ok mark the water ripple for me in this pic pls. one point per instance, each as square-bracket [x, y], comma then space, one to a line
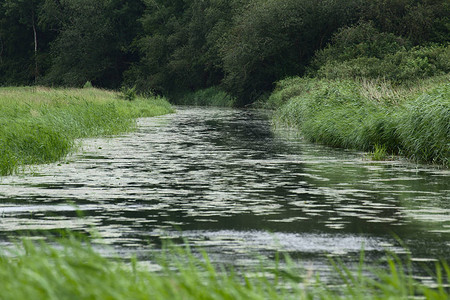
[225, 178]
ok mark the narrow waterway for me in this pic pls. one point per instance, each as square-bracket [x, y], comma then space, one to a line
[227, 181]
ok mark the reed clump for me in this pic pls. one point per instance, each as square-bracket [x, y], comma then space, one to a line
[411, 120]
[40, 125]
[71, 269]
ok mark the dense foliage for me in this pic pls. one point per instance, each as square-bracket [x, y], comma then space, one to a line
[362, 51]
[174, 46]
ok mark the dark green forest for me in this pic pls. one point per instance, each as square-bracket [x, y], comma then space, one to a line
[171, 47]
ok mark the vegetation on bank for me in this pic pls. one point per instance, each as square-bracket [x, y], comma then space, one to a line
[73, 270]
[213, 96]
[371, 116]
[372, 91]
[40, 125]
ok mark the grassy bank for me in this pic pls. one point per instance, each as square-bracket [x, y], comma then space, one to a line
[412, 120]
[40, 125]
[72, 270]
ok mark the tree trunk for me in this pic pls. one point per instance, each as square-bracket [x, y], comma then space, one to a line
[1, 50]
[36, 69]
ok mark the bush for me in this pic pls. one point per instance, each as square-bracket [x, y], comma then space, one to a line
[400, 67]
[362, 51]
[360, 40]
[128, 93]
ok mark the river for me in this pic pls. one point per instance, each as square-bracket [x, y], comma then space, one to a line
[225, 180]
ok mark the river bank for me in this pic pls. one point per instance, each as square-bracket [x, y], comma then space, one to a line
[40, 125]
[373, 115]
[369, 115]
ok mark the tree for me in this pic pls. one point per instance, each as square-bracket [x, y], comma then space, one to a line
[19, 37]
[179, 50]
[272, 39]
[93, 40]
[420, 21]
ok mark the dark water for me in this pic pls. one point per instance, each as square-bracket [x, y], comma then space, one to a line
[227, 181]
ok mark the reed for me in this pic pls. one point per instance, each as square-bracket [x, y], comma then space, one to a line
[365, 114]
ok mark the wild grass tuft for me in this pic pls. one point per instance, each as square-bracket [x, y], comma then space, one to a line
[40, 125]
[379, 152]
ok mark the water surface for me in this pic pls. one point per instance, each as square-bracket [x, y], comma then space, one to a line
[227, 181]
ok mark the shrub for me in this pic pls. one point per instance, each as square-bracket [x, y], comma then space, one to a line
[400, 67]
[362, 51]
[360, 40]
[128, 93]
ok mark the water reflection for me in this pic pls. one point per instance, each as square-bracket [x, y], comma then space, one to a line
[228, 182]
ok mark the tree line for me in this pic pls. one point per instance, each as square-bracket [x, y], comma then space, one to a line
[171, 47]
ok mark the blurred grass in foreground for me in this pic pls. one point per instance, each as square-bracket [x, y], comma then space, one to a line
[71, 269]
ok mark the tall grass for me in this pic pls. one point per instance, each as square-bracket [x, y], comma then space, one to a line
[73, 270]
[40, 125]
[424, 126]
[363, 114]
